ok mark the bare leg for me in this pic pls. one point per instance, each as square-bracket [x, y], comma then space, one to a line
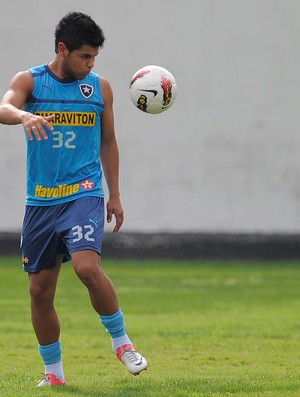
[103, 297]
[42, 287]
[87, 266]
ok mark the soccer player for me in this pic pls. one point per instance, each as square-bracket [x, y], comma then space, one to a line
[67, 113]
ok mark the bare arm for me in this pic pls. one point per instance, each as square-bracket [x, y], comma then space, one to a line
[109, 155]
[11, 107]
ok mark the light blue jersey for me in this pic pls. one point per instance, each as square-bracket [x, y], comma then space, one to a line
[67, 165]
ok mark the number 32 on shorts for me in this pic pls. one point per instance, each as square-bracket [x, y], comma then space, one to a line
[84, 232]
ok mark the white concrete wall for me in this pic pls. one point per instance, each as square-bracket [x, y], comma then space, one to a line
[225, 157]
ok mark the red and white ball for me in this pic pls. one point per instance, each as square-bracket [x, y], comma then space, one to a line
[153, 89]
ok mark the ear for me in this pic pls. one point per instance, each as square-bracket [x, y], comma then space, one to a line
[62, 49]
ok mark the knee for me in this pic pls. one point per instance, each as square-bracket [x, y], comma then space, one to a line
[87, 266]
[36, 291]
[89, 274]
[40, 293]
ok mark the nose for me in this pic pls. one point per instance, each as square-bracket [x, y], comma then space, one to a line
[91, 63]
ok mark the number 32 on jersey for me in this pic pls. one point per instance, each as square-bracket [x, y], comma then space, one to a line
[61, 139]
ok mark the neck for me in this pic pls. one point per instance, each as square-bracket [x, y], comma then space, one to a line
[56, 68]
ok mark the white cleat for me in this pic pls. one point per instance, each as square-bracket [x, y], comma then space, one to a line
[134, 361]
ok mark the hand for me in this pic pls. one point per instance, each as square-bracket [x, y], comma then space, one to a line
[114, 207]
[34, 125]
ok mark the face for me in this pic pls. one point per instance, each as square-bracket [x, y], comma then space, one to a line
[78, 63]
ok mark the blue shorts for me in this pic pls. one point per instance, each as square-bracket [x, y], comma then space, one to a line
[50, 232]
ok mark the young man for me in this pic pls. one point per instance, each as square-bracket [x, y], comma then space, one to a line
[67, 114]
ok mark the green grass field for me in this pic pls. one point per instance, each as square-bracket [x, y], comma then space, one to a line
[207, 329]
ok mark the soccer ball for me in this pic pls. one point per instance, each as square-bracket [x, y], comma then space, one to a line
[153, 89]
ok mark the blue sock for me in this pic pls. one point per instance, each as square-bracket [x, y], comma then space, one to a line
[51, 354]
[115, 326]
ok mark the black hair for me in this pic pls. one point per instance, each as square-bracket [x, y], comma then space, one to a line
[77, 29]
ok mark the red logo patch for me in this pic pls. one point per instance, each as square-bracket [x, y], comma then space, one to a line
[87, 184]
